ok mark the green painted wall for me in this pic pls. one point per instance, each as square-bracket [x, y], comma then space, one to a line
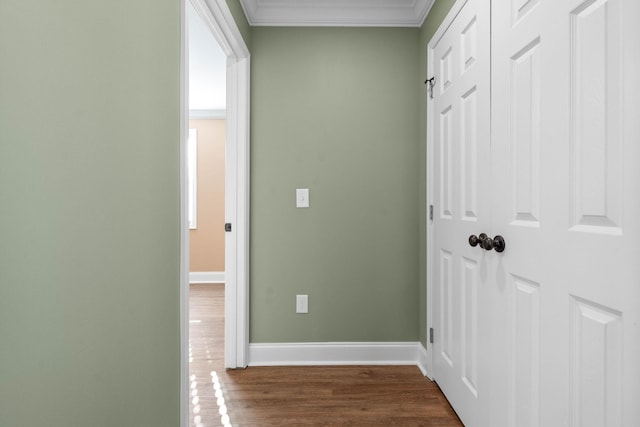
[89, 213]
[335, 110]
[436, 15]
[89, 315]
[241, 20]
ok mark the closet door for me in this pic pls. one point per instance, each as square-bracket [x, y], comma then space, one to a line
[566, 192]
[460, 120]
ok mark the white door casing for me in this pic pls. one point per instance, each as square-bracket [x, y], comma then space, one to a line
[563, 300]
[459, 59]
[218, 18]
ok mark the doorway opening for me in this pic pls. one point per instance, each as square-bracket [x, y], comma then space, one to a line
[206, 216]
[204, 21]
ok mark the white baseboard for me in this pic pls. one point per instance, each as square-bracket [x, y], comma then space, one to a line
[423, 359]
[206, 277]
[336, 353]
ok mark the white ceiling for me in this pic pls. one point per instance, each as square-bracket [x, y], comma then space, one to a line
[207, 66]
[337, 13]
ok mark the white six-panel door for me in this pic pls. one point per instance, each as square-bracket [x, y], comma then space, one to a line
[546, 333]
[566, 192]
[460, 117]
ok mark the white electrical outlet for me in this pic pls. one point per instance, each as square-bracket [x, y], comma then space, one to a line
[302, 303]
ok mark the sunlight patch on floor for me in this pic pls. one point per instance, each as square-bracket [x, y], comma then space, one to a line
[195, 401]
[222, 407]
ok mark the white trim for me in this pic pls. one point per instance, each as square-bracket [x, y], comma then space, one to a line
[184, 223]
[337, 13]
[334, 353]
[218, 18]
[426, 13]
[192, 178]
[198, 277]
[423, 360]
[240, 70]
[453, 12]
[207, 114]
[430, 202]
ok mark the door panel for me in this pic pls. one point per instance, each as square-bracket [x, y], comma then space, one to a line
[596, 73]
[524, 348]
[469, 325]
[446, 307]
[469, 161]
[460, 114]
[524, 162]
[596, 365]
[446, 161]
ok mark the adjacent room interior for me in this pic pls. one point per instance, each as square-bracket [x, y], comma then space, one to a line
[206, 211]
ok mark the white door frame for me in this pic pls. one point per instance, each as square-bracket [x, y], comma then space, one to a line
[218, 18]
[455, 9]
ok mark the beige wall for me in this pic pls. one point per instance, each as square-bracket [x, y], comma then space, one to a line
[207, 241]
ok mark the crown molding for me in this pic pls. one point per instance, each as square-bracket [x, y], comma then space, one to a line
[336, 13]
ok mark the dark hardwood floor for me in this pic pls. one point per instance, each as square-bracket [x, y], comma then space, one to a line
[299, 396]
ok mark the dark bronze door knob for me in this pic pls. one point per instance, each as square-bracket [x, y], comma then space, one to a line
[498, 243]
[487, 242]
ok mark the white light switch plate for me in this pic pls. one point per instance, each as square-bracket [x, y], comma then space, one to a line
[302, 303]
[302, 197]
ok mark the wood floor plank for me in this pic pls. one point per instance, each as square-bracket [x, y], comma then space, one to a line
[299, 395]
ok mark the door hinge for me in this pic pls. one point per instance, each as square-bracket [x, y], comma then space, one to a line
[431, 212]
[431, 335]
[227, 227]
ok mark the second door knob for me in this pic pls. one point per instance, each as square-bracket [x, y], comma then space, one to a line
[487, 242]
